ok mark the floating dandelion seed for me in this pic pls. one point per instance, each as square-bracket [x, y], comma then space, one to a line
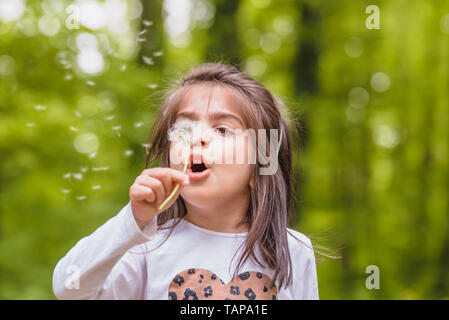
[129, 153]
[152, 86]
[117, 129]
[92, 155]
[147, 60]
[67, 175]
[141, 39]
[68, 77]
[96, 187]
[66, 192]
[72, 128]
[30, 124]
[147, 23]
[65, 64]
[147, 147]
[81, 198]
[40, 108]
[90, 83]
[123, 67]
[138, 124]
[78, 176]
[84, 169]
[142, 32]
[158, 53]
[108, 118]
[77, 114]
[100, 168]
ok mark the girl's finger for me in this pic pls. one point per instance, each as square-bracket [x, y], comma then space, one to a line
[155, 184]
[176, 176]
[166, 181]
[141, 193]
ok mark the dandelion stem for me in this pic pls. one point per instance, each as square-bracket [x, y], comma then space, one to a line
[186, 161]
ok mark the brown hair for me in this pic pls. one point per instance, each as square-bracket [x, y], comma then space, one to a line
[271, 205]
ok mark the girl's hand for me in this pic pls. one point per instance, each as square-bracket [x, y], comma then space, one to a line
[151, 188]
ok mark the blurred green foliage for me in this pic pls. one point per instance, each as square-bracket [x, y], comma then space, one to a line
[372, 104]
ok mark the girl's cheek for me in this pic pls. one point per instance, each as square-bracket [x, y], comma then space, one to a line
[229, 151]
[223, 151]
[177, 155]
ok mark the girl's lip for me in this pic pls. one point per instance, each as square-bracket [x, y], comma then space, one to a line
[197, 175]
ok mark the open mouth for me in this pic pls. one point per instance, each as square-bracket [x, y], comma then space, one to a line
[198, 167]
[197, 170]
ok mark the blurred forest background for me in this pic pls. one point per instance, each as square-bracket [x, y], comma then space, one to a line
[79, 89]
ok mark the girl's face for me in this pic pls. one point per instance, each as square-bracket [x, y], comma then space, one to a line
[217, 143]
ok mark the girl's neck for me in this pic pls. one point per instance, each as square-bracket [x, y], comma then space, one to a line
[223, 216]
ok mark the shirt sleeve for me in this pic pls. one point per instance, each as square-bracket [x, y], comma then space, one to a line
[102, 266]
[305, 274]
[310, 276]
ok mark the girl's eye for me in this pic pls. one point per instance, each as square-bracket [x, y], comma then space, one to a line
[224, 131]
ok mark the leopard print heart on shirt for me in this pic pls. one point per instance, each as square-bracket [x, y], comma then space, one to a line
[199, 284]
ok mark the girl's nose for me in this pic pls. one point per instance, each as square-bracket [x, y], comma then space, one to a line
[201, 137]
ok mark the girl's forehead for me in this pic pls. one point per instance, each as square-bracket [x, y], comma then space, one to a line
[205, 98]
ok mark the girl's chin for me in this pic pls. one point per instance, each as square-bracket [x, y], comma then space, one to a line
[199, 196]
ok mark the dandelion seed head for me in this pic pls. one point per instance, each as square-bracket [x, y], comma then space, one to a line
[182, 129]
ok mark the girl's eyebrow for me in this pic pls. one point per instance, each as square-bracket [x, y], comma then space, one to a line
[212, 116]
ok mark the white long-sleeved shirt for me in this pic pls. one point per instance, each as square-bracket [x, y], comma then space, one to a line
[117, 262]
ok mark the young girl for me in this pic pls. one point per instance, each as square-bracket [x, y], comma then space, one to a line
[185, 248]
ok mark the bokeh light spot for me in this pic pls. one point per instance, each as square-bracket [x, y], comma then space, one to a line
[11, 10]
[86, 143]
[90, 61]
[358, 97]
[49, 25]
[354, 47]
[380, 82]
